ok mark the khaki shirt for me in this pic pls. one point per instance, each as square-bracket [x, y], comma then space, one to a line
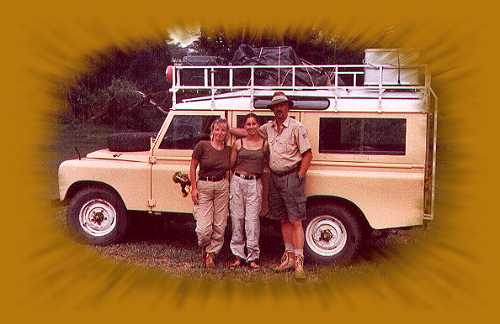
[285, 149]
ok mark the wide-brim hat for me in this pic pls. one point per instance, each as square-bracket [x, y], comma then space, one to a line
[278, 98]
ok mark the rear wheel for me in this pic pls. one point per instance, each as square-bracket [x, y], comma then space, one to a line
[333, 234]
[97, 216]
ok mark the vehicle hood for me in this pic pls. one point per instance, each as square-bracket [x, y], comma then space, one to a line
[106, 154]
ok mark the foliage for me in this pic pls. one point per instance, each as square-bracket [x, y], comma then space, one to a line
[311, 44]
[108, 95]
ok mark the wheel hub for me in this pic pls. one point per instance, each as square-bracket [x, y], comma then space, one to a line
[97, 217]
[326, 235]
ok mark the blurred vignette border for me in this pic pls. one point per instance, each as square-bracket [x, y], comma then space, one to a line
[57, 272]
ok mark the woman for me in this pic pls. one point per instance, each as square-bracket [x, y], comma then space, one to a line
[248, 158]
[210, 192]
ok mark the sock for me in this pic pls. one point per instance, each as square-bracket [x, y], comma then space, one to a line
[299, 252]
[288, 247]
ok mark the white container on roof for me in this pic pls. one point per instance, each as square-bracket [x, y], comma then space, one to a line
[396, 67]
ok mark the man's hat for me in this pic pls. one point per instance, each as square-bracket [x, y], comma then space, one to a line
[279, 97]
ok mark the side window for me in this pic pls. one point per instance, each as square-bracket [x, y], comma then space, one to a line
[384, 136]
[185, 131]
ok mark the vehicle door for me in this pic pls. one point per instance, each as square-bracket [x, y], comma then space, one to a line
[172, 156]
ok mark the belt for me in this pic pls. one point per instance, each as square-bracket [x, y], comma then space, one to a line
[212, 178]
[246, 177]
[284, 173]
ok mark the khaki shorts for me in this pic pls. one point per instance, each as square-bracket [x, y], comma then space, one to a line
[286, 197]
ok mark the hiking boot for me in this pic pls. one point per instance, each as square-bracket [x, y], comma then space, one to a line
[210, 261]
[299, 267]
[287, 262]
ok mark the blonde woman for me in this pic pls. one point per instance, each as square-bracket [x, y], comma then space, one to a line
[210, 190]
[248, 156]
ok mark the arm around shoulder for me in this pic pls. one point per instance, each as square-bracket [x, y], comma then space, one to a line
[234, 152]
[238, 132]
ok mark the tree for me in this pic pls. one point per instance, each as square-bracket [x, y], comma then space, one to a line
[312, 44]
[107, 93]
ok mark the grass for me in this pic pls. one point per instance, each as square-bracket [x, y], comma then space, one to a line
[157, 242]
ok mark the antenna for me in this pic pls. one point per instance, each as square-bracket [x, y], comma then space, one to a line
[78, 153]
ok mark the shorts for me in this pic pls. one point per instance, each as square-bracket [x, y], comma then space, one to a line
[287, 200]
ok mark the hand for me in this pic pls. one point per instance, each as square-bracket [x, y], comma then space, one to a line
[194, 195]
[301, 176]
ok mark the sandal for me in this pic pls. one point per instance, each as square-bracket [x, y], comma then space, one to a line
[254, 265]
[210, 261]
[235, 264]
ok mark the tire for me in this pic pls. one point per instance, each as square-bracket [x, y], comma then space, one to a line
[97, 216]
[332, 233]
[130, 142]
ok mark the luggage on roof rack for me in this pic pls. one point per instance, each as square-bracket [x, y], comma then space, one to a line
[280, 55]
[201, 60]
[194, 77]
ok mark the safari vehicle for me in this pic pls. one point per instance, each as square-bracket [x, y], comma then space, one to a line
[373, 142]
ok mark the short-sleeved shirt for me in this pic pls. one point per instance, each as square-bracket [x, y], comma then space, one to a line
[213, 163]
[286, 149]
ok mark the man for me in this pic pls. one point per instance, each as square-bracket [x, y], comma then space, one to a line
[290, 157]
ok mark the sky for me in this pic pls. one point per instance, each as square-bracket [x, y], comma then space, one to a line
[184, 35]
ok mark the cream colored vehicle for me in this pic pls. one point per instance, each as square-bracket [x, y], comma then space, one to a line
[373, 143]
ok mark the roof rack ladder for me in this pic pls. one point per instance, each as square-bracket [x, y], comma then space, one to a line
[434, 151]
[427, 85]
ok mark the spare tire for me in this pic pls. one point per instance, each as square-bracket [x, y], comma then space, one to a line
[130, 142]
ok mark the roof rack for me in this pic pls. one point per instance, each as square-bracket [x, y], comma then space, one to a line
[217, 79]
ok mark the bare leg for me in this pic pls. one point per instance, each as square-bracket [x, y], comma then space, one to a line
[298, 244]
[287, 232]
[297, 234]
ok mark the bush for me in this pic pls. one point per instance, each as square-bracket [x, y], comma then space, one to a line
[107, 93]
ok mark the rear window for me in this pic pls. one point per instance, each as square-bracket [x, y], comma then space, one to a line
[385, 136]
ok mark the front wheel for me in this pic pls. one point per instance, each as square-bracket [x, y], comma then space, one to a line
[333, 234]
[97, 216]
